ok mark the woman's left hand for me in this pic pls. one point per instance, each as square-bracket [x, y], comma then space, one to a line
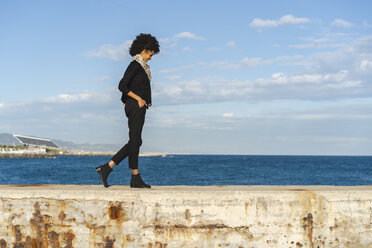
[141, 103]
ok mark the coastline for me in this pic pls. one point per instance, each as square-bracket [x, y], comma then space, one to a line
[15, 155]
[82, 154]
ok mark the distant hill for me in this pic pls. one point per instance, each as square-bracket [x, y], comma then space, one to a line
[68, 145]
[8, 139]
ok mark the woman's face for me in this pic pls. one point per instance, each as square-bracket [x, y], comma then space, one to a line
[146, 54]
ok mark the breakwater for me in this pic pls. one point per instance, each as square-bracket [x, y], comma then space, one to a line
[185, 216]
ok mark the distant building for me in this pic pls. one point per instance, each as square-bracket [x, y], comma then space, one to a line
[33, 141]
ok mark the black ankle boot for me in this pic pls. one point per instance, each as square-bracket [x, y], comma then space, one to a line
[137, 182]
[104, 171]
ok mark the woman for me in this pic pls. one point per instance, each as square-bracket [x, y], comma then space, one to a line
[136, 96]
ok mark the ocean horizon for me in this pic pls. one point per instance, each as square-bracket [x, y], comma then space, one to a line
[194, 169]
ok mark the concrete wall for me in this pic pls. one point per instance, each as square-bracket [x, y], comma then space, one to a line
[185, 216]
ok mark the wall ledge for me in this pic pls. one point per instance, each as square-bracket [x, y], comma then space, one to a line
[295, 216]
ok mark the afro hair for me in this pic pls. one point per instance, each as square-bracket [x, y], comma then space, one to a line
[144, 41]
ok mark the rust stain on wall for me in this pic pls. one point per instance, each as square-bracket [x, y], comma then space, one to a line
[40, 224]
[109, 243]
[207, 229]
[160, 245]
[62, 216]
[246, 207]
[308, 226]
[68, 238]
[116, 212]
[113, 212]
[188, 215]
[53, 239]
[34, 243]
[104, 241]
[157, 245]
[127, 238]
[2, 243]
[44, 231]
[17, 234]
[298, 245]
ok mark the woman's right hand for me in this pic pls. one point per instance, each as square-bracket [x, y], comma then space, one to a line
[141, 103]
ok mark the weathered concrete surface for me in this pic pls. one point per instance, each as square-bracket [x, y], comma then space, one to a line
[185, 216]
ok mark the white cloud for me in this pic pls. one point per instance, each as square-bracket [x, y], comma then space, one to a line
[339, 74]
[316, 78]
[348, 57]
[76, 117]
[172, 91]
[181, 35]
[230, 43]
[251, 61]
[228, 115]
[315, 45]
[70, 98]
[302, 86]
[243, 63]
[188, 35]
[290, 19]
[365, 65]
[204, 122]
[341, 23]
[344, 85]
[118, 52]
[311, 42]
[194, 87]
[259, 23]
[81, 97]
[172, 42]
[287, 19]
[363, 45]
[295, 60]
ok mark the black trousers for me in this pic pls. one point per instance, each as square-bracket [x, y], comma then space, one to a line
[136, 119]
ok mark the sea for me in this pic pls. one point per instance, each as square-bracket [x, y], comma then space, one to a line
[194, 170]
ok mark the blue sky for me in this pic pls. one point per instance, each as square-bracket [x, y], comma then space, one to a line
[238, 77]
